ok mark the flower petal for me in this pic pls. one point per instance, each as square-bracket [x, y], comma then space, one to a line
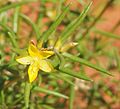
[46, 53]
[45, 66]
[24, 60]
[33, 51]
[33, 71]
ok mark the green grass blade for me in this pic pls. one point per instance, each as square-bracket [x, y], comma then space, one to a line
[47, 107]
[32, 24]
[84, 62]
[14, 43]
[3, 17]
[11, 34]
[13, 5]
[107, 34]
[72, 95]
[18, 100]
[74, 74]
[2, 98]
[73, 26]
[62, 77]
[47, 91]
[55, 24]
[117, 58]
[15, 19]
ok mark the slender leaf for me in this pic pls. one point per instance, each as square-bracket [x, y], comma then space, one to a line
[13, 5]
[74, 25]
[32, 24]
[14, 43]
[107, 34]
[11, 34]
[47, 107]
[62, 77]
[84, 62]
[18, 100]
[117, 58]
[47, 91]
[55, 24]
[2, 98]
[74, 74]
[15, 19]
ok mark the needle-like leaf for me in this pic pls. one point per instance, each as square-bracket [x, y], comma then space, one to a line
[107, 34]
[84, 62]
[74, 25]
[32, 24]
[74, 74]
[47, 91]
[13, 5]
[55, 24]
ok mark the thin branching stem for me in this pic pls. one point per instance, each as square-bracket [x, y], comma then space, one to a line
[97, 18]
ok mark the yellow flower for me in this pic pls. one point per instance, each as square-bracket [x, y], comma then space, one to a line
[37, 59]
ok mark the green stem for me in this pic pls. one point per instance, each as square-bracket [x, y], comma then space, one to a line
[97, 18]
[72, 95]
[27, 94]
[116, 26]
